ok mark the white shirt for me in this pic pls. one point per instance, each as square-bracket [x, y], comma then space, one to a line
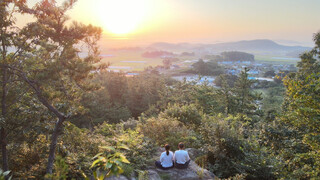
[181, 156]
[166, 160]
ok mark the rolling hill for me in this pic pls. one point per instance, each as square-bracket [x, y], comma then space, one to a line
[259, 46]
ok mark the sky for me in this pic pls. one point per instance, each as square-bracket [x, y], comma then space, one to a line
[140, 22]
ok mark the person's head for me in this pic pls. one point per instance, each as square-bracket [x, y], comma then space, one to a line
[167, 147]
[180, 145]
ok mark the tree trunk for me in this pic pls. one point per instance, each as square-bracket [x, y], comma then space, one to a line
[54, 140]
[57, 127]
[3, 133]
[4, 150]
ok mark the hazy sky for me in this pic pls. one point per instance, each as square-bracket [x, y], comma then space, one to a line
[129, 22]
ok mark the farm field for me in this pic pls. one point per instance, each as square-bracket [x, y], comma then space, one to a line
[276, 59]
[133, 61]
[129, 60]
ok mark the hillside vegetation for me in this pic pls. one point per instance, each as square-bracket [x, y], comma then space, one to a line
[66, 117]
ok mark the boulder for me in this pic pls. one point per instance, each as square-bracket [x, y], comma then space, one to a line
[193, 172]
[152, 174]
[117, 178]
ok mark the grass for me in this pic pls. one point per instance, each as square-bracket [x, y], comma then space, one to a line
[273, 60]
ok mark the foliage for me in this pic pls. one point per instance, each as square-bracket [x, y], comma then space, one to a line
[302, 113]
[240, 98]
[207, 68]
[265, 84]
[143, 175]
[233, 149]
[187, 114]
[237, 56]
[229, 78]
[246, 100]
[45, 79]
[140, 148]
[30, 158]
[5, 175]
[223, 144]
[301, 118]
[231, 56]
[61, 169]
[46, 61]
[167, 63]
[169, 131]
[272, 102]
[269, 73]
[109, 162]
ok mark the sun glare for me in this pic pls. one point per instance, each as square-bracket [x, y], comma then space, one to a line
[122, 16]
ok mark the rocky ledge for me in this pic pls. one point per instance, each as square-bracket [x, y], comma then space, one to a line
[193, 172]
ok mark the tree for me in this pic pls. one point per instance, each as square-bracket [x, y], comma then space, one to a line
[246, 100]
[226, 96]
[302, 112]
[207, 68]
[269, 73]
[50, 65]
[229, 78]
[10, 92]
[166, 63]
[237, 56]
[240, 98]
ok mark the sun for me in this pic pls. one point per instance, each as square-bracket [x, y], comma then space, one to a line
[122, 16]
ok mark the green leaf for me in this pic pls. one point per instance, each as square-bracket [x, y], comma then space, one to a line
[97, 155]
[6, 173]
[124, 159]
[108, 165]
[94, 163]
[108, 148]
[123, 147]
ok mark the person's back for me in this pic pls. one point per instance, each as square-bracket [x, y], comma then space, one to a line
[166, 159]
[181, 157]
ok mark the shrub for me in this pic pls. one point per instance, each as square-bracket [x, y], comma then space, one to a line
[224, 146]
[234, 149]
[187, 114]
[169, 131]
[141, 148]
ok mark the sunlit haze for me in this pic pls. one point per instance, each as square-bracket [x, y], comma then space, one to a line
[139, 22]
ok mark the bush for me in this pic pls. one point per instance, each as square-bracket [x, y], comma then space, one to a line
[169, 131]
[30, 158]
[234, 149]
[224, 145]
[187, 114]
[140, 148]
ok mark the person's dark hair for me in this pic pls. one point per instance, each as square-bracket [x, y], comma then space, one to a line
[167, 147]
[181, 145]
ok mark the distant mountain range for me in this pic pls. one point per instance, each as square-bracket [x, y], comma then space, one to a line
[259, 46]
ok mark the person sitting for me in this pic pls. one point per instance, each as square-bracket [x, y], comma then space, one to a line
[166, 159]
[181, 157]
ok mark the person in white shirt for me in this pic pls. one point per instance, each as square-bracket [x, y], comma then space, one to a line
[181, 157]
[166, 159]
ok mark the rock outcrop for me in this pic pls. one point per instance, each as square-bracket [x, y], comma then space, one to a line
[193, 172]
